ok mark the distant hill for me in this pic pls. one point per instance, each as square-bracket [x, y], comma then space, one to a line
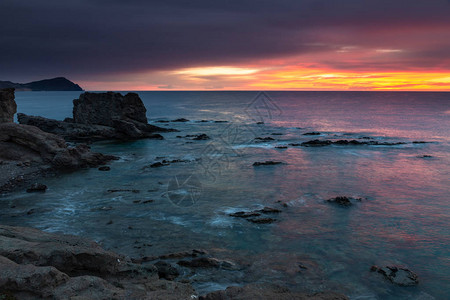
[55, 84]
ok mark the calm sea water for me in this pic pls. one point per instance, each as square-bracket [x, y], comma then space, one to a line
[403, 218]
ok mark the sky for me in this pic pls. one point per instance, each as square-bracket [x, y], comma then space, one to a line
[229, 44]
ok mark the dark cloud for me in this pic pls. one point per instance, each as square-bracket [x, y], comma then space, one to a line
[88, 38]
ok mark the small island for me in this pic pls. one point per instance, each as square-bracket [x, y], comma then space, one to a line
[54, 84]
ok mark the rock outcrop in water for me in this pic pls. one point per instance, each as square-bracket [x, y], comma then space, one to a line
[101, 116]
[35, 264]
[397, 275]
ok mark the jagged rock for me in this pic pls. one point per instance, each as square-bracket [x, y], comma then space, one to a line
[312, 133]
[104, 108]
[268, 292]
[8, 106]
[37, 187]
[101, 116]
[104, 168]
[397, 275]
[35, 264]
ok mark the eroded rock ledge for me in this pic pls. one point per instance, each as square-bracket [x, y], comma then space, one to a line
[101, 116]
[36, 264]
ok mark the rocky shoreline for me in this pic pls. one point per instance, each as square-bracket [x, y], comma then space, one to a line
[38, 146]
[36, 264]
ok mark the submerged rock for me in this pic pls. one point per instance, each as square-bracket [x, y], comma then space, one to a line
[264, 139]
[398, 275]
[267, 163]
[37, 187]
[261, 220]
[104, 168]
[256, 216]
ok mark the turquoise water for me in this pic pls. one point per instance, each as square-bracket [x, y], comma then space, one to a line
[402, 219]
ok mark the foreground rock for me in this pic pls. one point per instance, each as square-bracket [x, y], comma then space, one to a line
[268, 292]
[398, 275]
[36, 264]
[101, 116]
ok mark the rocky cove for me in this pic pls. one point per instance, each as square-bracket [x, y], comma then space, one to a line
[36, 264]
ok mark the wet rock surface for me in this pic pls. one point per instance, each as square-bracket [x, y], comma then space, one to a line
[397, 275]
[37, 187]
[36, 264]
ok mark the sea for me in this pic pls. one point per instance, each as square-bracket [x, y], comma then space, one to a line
[401, 172]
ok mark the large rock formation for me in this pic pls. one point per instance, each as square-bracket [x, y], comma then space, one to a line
[36, 264]
[101, 116]
[8, 106]
[26, 151]
[104, 108]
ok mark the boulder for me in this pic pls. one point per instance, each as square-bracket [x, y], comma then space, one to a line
[8, 106]
[397, 275]
[104, 108]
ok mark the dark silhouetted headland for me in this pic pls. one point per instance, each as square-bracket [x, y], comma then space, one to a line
[54, 84]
